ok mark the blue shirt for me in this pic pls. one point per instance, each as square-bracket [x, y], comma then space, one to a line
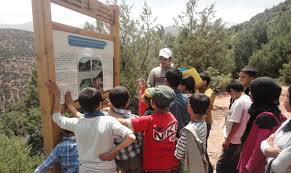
[64, 153]
[179, 109]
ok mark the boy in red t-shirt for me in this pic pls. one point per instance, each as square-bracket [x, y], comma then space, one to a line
[160, 130]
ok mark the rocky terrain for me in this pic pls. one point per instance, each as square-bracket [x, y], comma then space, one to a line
[16, 61]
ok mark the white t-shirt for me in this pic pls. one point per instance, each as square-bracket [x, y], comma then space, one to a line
[238, 114]
[94, 136]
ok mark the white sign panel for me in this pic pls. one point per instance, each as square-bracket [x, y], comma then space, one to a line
[82, 61]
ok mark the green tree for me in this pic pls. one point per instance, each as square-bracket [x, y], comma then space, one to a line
[202, 42]
[141, 40]
[23, 119]
[243, 46]
[286, 72]
[270, 59]
[15, 156]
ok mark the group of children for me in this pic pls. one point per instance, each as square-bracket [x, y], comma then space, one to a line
[170, 133]
[253, 116]
[115, 138]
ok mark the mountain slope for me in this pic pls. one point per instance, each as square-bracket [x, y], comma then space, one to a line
[16, 60]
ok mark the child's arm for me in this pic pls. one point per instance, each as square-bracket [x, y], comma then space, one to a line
[268, 148]
[118, 130]
[70, 106]
[126, 142]
[137, 124]
[63, 122]
[53, 158]
[55, 91]
[181, 146]
[283, 161]
[234, 128]
[125, 122]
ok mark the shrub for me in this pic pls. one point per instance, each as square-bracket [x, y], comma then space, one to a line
[218, 81]
[286, 73]
[15, 156]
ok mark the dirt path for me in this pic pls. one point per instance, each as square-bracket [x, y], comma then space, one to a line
[220, 108]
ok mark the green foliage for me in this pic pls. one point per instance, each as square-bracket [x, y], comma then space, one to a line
[13, 123]
[286, 72]
[15, 156]
[270, 59]
[32, 98]
[218, 81]
[264, 41]
[33, 128]
[141, 41]
[243, 47]
[202, 42]
[23, 118]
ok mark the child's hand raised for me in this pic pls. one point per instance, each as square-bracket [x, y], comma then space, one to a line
[68, 99]
[55, 91]
[53, 88]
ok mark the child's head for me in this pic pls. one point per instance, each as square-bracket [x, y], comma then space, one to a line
[198, 105]
[173, 77]
[119, 97]
[106, 103]
[287, 102]
[235, 88]
[205, 78]
[89, 99]
[147, 96]
[187, 85]
[162, 97]
[246, 75]
[265, 92]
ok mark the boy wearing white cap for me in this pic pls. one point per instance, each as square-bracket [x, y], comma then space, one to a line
[157, 74]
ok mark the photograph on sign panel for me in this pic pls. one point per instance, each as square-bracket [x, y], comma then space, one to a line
[90, 72]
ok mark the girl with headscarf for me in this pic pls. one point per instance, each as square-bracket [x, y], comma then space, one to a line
[277, 147]
[265, 118]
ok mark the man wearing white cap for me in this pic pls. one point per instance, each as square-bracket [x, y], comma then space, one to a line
[157, 74]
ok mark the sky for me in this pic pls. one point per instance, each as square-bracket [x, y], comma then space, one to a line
[231, 11]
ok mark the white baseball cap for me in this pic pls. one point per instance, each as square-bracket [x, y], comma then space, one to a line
[166, 53]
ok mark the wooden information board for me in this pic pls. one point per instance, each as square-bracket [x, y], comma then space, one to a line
[64, 51]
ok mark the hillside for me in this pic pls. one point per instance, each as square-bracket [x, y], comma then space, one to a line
[269, 16]
[264, 42]
[16, 60]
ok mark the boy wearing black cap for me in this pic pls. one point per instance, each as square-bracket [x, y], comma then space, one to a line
[160, 130]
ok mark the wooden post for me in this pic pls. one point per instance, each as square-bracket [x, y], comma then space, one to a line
[116, 40]
[45, 70]
[43, 30]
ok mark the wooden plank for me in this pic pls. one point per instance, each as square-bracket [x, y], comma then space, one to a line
[45, 70]
[116, 39]
[96, 10]
[66, 28]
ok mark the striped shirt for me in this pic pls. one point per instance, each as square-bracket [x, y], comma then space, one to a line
[201, 130]
[133, 149]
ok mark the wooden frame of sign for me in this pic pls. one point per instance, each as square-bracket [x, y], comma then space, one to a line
[43, 30]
